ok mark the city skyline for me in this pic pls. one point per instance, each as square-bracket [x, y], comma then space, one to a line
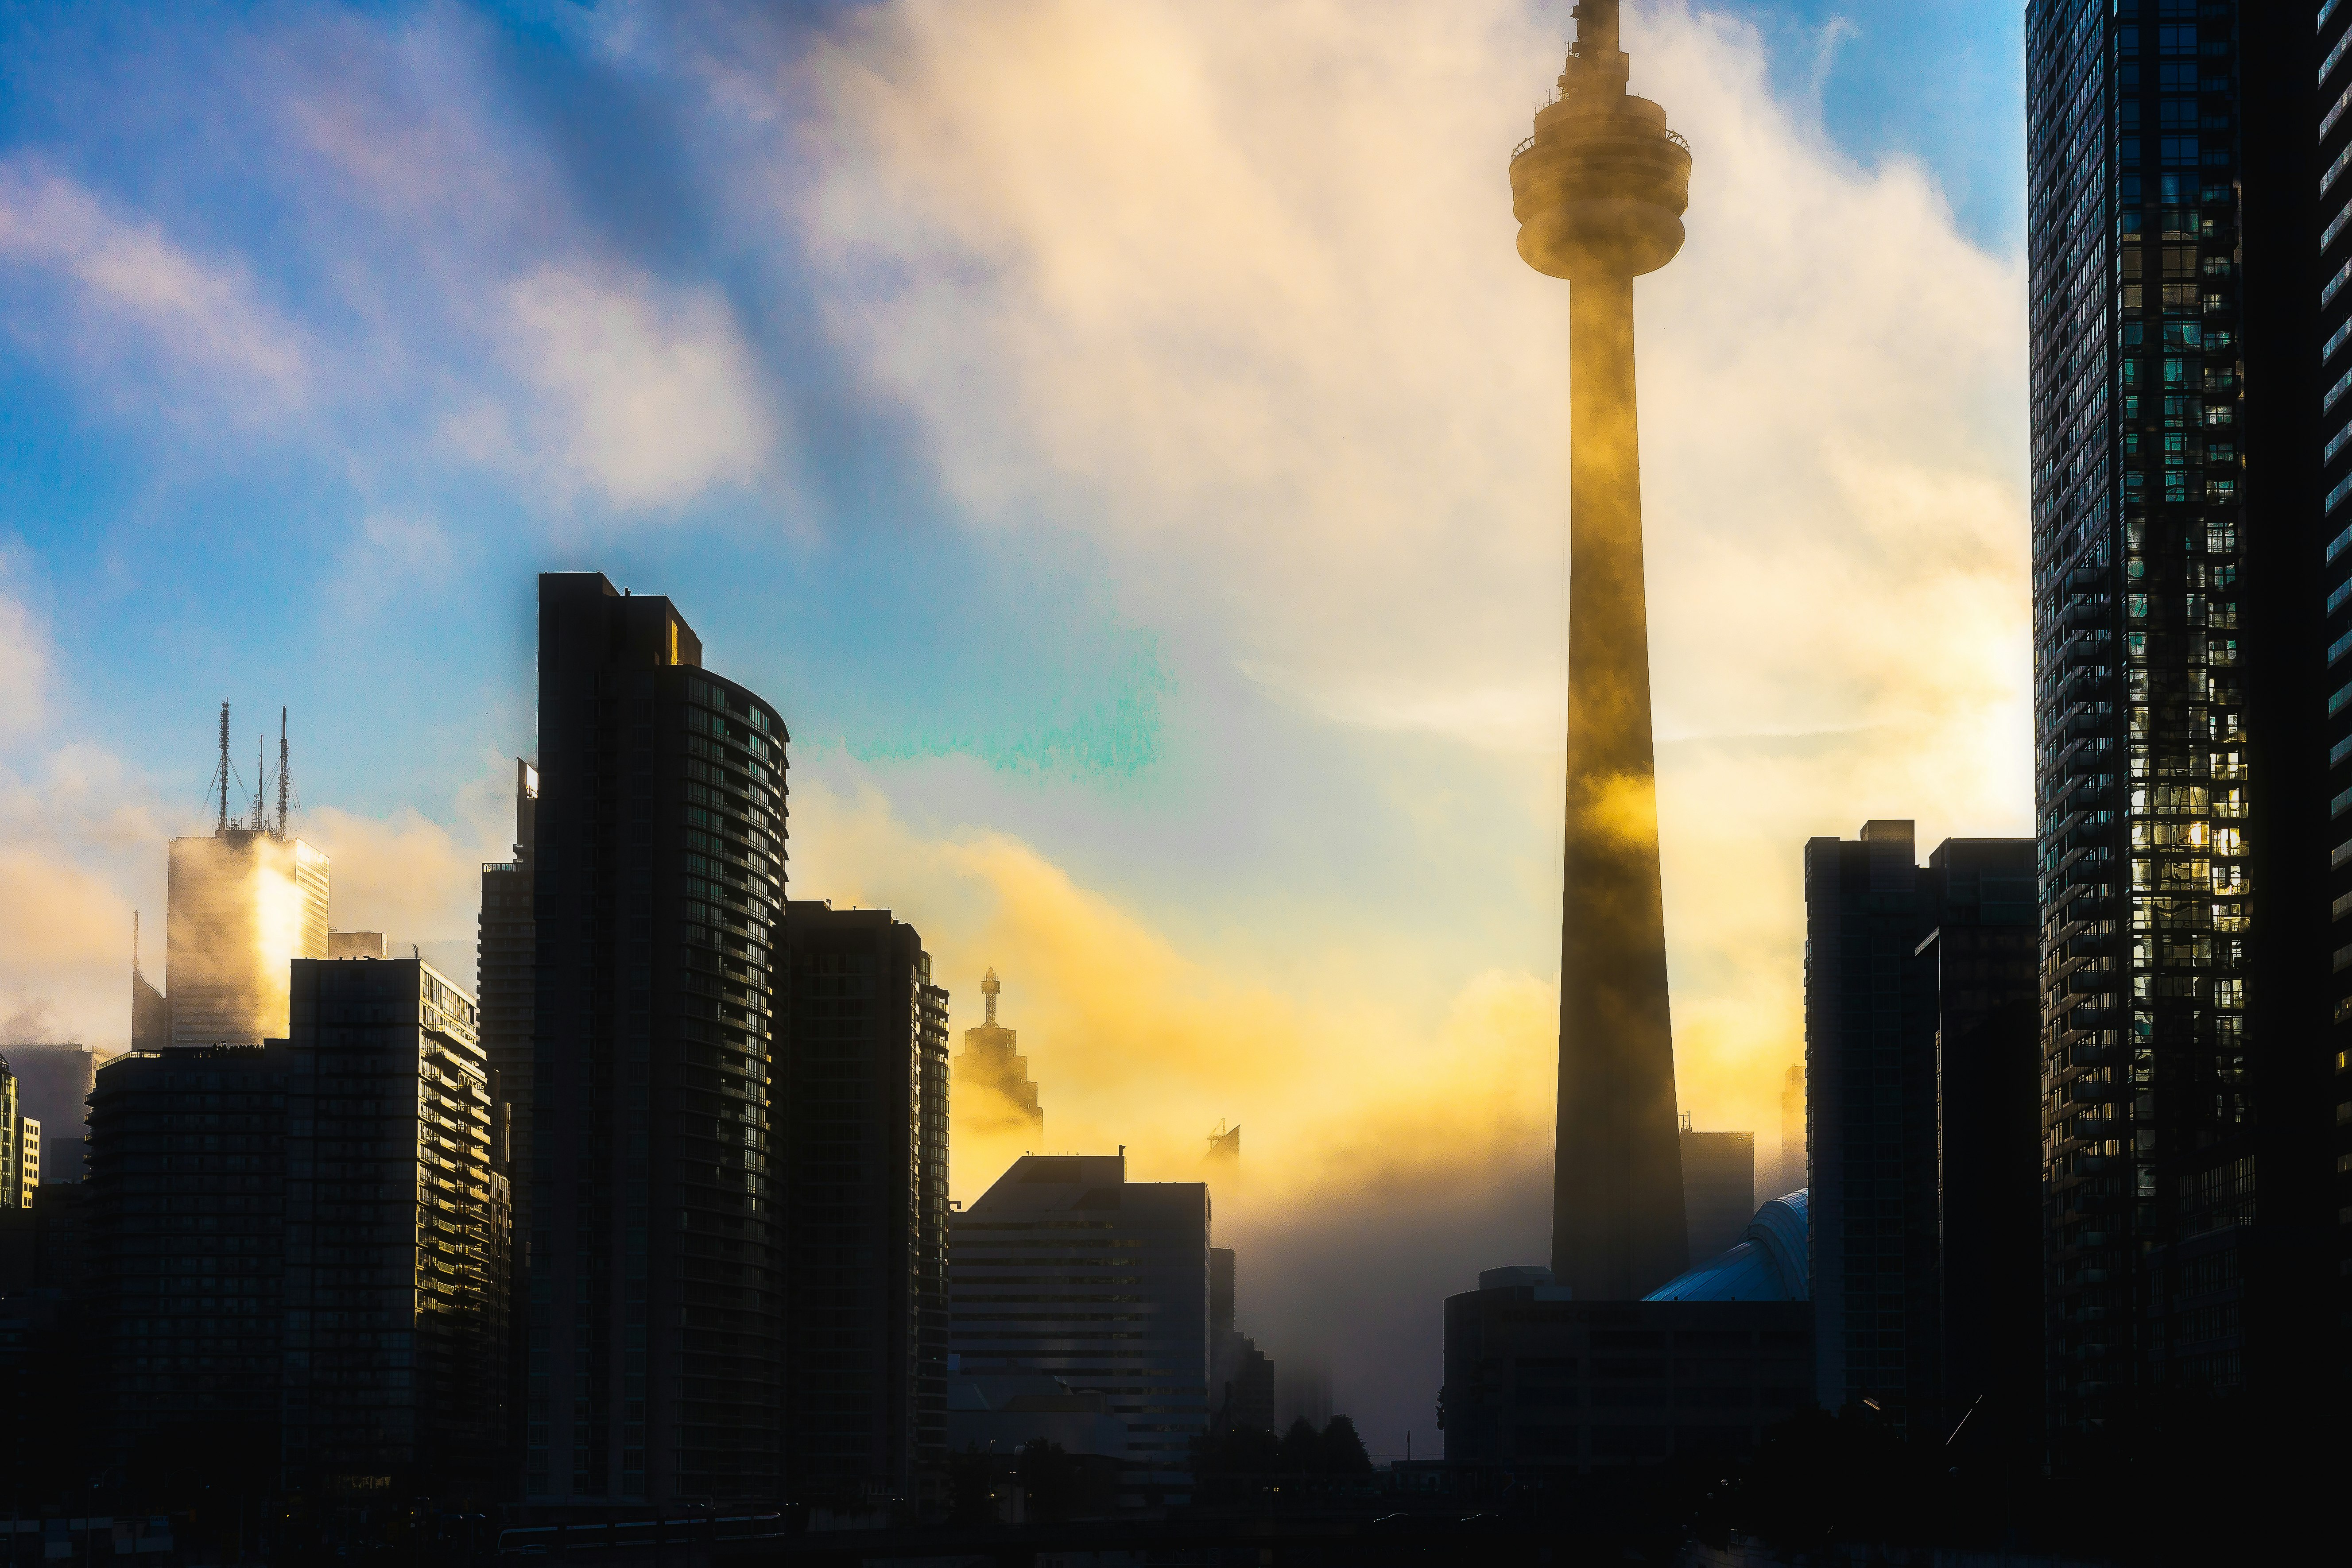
[1039, 756]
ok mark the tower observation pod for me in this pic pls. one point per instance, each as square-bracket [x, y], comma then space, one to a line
[1599, 190]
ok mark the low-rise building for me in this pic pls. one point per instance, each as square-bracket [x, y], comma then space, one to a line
[1703, 1365]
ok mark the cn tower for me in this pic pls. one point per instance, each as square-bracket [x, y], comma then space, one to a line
[1599, 191]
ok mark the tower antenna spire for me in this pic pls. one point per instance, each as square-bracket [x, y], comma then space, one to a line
[260, 782]
[281, 773]
[222, 826]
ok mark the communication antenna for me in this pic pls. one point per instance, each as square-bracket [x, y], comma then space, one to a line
[260, 782]
[222, 826]
[281, 773]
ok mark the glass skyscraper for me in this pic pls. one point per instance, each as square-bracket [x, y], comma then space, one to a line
[652, 1358]
[2180, 535]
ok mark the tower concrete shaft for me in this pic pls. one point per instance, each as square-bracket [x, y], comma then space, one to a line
[1599, 190]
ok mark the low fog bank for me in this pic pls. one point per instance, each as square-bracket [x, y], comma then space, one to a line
[1359, 1279]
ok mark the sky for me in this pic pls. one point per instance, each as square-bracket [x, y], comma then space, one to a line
[1121, 439]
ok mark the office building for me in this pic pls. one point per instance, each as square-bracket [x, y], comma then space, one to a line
[1241, 1375]
[20, 1146]
[863, 1153]
[1027, 1262]
[395, 1235]
[1536, 1380]
[2186, 255]
[1791, 1175]
[1900, 960]
[245, 903]
[1598, 190]
[186, 1253]
[53, 1085]
[506, 987]
[505, 977]
[657, 874]
[994, 1096]
[1718, 1187]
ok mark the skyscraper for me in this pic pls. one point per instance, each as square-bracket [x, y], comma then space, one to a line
[863, 1156]
[1600, 190]
[395, 1236]
[243, 902]
[507, 980]
[993, 1095]
[1899, 958]
[1792, 1174]
[2186, 552]
[658, 878]
[187, 1256]
[1028, 1261]
[1718, 1188]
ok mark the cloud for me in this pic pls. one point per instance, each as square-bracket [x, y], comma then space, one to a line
[24, 653]
[137, 300]
[647, 395]
[1230, 290]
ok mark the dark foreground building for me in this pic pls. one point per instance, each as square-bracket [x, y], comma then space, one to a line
[1027, 1262]
[1536, 1380]
[862, 1084]
[653, 1363]
[1718, 1187]
[2188, 253]
[397, 1230]
[1920, 1075]
[187, 1259]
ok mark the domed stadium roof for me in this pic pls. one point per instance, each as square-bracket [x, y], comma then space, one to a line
[1768, 1264]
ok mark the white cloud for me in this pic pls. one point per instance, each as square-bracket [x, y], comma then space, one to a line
[649, 396]
[1229, 287]
[134, 296]
[24, 655]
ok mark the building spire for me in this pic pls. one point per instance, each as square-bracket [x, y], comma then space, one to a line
[281, 773]
[221, 778]
[988, 989]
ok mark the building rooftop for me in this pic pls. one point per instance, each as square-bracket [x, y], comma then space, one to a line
[1767, 1264]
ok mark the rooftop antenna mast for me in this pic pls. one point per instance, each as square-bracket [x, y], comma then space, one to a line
[222, 826]
[281, 773]
[260, 783]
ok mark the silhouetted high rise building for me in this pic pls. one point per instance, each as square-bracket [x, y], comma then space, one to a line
[243, 902]
[1599, 191]
[2187, 251]
[1241, 1375]
[991, 1079]
[1027, 1262]
[1718, 1187]
[657, 873]
[1900, 959]
[863, 1140]
[187, 1253]
[396, 1235]
[506, 977]
[1792, 1173]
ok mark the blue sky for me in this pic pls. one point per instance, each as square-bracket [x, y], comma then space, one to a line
[1118, 437]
